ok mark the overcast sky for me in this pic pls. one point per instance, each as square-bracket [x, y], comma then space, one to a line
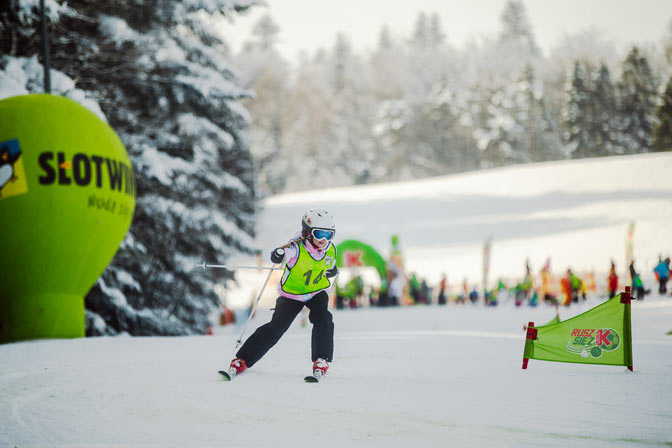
[309, 24]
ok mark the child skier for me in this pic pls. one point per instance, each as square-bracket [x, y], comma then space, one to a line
[310, 263]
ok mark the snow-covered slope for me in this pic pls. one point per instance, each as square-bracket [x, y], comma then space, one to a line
[575, 212]
[420, 376]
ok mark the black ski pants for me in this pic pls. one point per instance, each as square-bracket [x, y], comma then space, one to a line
[266, 336]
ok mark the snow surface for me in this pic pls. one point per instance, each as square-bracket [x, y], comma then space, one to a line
[420, 376]
[413, 376]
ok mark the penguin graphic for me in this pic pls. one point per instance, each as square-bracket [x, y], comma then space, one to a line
[7, 160]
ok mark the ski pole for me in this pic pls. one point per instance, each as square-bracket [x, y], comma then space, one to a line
[254, 307]
[205, 265]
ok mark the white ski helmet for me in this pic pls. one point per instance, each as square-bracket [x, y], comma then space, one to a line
[318, 219]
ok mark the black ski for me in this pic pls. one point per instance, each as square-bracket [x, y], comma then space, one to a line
[308, 379]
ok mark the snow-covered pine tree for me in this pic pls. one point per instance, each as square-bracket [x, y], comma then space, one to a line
[305, 126]
[662, 133]
[392, 123]
[350, 146]
[420, 34]
[577, 114]
[636, 92]
[341, 57]
[394, 136]
[437, 37]
[160, 74]
[667, 44]
[516, 26]
[540, 140]
[384, 38]
[500, 135]
[604, 112]
[436, 143]
[442, 143]
[428, 58]
[264, 71]
[387, 79]
[517, 127]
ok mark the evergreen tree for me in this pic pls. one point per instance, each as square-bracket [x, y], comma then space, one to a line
[428, 59]
[266, 73]
[577, 114]
[517, 127]
[350, 150]
[540, 139]
[476, 116]
[265, 32]
[308, 118]
[395, 142]
[420, 37]
[667, 44]
[501, 131]
[386, 72]
[443, 144]
[516, 26]
[161, 77]
[662, 134]
[384, 39]
[604, 111]
[342, 55]
[436, 35]
[636, 93]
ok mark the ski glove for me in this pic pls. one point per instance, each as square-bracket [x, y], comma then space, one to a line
[277, 255]
[331, 272]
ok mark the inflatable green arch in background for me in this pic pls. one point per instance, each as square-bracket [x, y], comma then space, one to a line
[352, 253]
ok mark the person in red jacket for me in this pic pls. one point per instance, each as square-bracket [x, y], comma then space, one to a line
[612, 280]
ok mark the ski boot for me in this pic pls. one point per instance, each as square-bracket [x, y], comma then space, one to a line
[320, 367]
[237, 366]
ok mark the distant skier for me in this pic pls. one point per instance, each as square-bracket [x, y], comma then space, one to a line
[637, 288]
[577, 286]
[527, 285]
[311, 262]
[612, 280]
[662, 271]
[442, 289]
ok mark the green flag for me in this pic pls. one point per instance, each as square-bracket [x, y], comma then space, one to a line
[601, 335]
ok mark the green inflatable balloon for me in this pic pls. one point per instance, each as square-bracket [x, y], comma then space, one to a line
[67, 196]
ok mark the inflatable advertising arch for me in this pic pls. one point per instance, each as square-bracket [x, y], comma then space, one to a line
[352, 253]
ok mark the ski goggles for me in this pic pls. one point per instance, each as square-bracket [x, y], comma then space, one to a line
[322, 234]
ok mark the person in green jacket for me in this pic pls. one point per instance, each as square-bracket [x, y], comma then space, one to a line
[576, 285]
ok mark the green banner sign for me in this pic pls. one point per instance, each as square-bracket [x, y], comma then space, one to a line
[601, 335]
